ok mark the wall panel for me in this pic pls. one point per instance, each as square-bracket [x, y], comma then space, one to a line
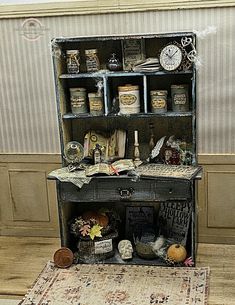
[28, 119]
[25, 187]
[221, 199]
[28, 205]
[216, 203]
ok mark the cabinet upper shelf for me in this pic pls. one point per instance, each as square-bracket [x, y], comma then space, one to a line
[106, 73]
[69, 116]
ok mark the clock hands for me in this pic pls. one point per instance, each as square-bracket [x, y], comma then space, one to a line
[173, 53]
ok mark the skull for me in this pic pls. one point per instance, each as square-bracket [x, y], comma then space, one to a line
[125, 249]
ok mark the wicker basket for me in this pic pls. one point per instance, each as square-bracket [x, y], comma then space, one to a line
[101, 248]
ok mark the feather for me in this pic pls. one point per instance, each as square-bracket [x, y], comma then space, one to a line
[157, 245]
[156, 150]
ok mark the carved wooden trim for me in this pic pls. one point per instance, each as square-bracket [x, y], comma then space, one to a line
[216, 159]
[82, 7]
[30, 158]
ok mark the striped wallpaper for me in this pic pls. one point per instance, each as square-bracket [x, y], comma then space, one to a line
[28, 119]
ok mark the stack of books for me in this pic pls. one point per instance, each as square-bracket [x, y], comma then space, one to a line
[150, 64]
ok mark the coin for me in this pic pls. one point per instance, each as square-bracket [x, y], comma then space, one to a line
[63, 257]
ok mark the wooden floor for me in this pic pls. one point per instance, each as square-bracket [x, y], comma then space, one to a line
[22, 258]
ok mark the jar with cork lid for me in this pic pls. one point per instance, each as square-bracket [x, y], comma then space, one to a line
[129, 99]
[158, 101]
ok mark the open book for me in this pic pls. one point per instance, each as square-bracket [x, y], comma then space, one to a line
[110, 169]
[112, 144]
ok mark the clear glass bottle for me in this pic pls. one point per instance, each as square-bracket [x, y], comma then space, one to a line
[92, 60]
[72, 60]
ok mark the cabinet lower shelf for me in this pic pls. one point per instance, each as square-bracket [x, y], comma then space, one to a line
[116, 259]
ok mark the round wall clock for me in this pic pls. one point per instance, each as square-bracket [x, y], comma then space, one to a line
[171, 57]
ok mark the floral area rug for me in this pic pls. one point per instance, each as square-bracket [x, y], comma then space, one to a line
[101, 284]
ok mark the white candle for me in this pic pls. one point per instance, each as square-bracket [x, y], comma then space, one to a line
[136, 136]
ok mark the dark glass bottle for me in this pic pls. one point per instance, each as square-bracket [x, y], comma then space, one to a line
[114, 63]
[97, 154]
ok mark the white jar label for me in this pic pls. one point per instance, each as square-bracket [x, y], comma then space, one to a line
[180, 99]
[103, 246]
[128, 99]
[158, 103]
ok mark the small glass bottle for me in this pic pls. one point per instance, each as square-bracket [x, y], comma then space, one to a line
[72, 60]
[97, 153]
[92, 60]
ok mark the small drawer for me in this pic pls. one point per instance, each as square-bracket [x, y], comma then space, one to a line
[173, 189]
[125, 190]
[70, 192]
[108, 189]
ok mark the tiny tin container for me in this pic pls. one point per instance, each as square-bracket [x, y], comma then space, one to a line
[92, 60]
[72, 60]
[96, 104]
[78, 100]
[158, 101]
[180, 98]
[129, 99]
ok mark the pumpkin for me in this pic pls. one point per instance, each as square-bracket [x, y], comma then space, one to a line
[89, 215]
[102, 220]
[177, 253]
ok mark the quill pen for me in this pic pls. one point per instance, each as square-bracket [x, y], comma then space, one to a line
[155, 151]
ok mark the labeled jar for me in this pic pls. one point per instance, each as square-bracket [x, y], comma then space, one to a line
[129, 99]
[92, 60]
[158, 101]
[72, 60]
[180, 98]
[78, 100]
[96, 103]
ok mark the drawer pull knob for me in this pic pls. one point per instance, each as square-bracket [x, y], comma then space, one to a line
[125, 193]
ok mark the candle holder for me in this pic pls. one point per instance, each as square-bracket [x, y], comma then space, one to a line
[136, 147]
[151, 140]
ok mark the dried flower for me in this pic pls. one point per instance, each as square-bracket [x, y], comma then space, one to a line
[189, 262]
[95, 231]
[85, 230]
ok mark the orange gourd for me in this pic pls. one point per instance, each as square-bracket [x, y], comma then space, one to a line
[177, 253]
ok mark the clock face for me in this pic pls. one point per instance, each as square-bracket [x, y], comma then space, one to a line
[170, 57]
